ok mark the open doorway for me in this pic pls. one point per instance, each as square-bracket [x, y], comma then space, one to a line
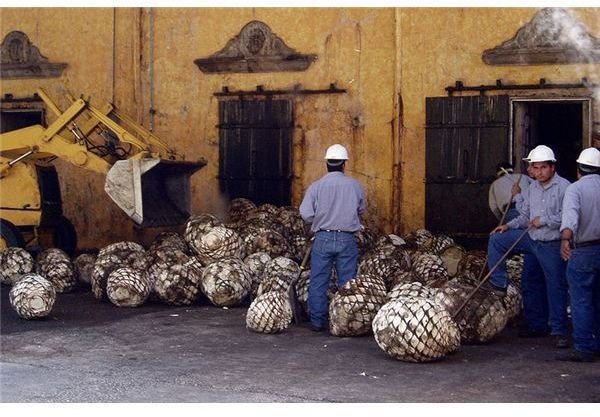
[563, 125]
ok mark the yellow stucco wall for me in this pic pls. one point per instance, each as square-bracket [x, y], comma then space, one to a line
[347, 41]
[380, 55]
[440, 46]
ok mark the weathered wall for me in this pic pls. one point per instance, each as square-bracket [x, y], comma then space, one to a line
[440, 46]
[389, 60]
[355, 48]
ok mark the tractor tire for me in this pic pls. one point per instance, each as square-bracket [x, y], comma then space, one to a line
[10, 236]
[65, 236]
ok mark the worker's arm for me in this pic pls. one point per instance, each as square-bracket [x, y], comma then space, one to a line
[569, 221]
[566, 237]
[362, 203]
[308, 206]
[554, 219]
[522, 221]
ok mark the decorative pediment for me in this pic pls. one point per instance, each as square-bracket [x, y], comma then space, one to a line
[19, 58]
[255, 49]
[553, 36]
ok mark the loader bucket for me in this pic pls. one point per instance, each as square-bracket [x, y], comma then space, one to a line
[152, 192]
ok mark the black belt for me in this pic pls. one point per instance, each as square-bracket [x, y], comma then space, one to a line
[588, 243]
[333, 231]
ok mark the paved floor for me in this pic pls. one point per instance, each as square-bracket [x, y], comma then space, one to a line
[91, 351]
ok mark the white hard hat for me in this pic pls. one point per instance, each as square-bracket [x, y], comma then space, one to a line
[528, 157]
[541, 153]
[589, 156]
[336, 151]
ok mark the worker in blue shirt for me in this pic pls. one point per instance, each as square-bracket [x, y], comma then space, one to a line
[580, 245]
[541, 212]
[332, 206]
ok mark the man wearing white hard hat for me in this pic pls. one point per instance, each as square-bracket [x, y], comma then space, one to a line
[332, 206]
[541, 213]
[580, 246]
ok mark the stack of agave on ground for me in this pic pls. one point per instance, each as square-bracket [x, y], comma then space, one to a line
[32, 296]
[14, 262]
[56, 266]
[406, 290]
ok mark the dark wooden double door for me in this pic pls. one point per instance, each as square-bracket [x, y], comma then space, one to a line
[255, 150]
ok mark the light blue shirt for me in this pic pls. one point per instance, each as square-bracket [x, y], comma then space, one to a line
[334, 202]
[546, 203]
[581, 209]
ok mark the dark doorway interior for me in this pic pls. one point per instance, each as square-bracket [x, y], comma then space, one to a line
[558, 125]
[18, 119]
[255, 150]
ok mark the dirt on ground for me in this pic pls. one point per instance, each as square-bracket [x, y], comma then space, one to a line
[92, 351]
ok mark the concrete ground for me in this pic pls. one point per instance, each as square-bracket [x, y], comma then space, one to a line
[91, 351]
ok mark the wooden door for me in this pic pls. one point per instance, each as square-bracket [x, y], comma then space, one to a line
[255, 150]
[466, 137]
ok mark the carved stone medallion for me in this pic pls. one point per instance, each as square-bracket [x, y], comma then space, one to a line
[19, 58]
[255, 49]
[553, 36]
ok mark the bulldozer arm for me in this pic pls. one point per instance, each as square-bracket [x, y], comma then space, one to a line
[147, 179]
[152, 192]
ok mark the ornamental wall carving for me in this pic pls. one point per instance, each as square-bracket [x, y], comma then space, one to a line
[255, 49]
[19, 58]
[553, 36]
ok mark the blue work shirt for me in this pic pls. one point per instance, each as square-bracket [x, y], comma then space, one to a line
[334, 202]
[581, 209]
[546, 203]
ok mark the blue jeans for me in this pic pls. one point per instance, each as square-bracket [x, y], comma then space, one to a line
[583, 274]
[533, 290]
[330, 249]
[555, 290]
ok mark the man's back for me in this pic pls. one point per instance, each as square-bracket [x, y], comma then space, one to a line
[334, 202]
[582, 208]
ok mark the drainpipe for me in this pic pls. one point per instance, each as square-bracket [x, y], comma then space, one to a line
[151, 70]
[114, 52]
[397, 130]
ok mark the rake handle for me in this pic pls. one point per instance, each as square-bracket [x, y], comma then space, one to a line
[291, 291]
[504, 212]
[491, 271]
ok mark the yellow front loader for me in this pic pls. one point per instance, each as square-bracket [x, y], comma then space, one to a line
[144, 177]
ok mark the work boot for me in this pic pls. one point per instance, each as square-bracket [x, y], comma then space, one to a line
[527, 332]
[315, 328]
[561, 342]
[576, 356]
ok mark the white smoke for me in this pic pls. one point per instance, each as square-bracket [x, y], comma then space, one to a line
[564, 29]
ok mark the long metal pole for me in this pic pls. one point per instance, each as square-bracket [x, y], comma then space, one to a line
[491, 271]
[501, 220]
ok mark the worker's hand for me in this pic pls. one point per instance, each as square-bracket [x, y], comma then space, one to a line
[515, 189]
[500, 229]
[536, 222]
[565, 250]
